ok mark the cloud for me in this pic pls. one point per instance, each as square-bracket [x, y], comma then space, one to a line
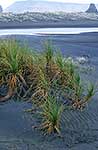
[77, 1]
[5, 3]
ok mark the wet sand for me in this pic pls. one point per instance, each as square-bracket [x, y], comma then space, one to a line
[81, 134]
[49, 24]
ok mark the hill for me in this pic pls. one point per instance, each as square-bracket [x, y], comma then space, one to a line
[45, 6]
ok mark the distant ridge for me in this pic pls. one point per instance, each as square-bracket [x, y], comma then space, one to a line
[45, 6]
[1, 9]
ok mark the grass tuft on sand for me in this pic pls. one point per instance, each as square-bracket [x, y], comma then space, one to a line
[48, 80]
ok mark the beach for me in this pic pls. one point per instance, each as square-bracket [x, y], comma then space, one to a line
[49, 24]
[16, 126]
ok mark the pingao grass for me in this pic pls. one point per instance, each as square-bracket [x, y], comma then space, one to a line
[47, 79]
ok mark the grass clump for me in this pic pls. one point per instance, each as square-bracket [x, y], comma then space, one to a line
[47, 79]
[51, 112]
[13, 64]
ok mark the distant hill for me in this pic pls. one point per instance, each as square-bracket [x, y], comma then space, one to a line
[45, 6]
[38, 20]
[1, 9]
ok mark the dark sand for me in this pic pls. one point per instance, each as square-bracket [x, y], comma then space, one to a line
[81, 134]
[48, 24]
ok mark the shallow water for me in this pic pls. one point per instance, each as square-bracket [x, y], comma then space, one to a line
[80, 130]
[46, 31]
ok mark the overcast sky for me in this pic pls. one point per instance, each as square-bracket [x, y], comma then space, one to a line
[6, 3]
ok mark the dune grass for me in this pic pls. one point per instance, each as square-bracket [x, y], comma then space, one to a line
[51, 112]
[47, 79]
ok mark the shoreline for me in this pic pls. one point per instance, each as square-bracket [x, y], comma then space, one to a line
[29, 25]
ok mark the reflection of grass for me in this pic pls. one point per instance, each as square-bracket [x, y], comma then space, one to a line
[47, 79]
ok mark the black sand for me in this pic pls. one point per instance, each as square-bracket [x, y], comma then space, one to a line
[15, 126]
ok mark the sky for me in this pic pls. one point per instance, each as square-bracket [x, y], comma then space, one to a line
[6, 3]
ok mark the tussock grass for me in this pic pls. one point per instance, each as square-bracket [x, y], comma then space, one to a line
[47, 79]
[51, 112]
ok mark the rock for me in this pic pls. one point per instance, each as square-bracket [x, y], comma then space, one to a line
[1, 9]
[92, 9]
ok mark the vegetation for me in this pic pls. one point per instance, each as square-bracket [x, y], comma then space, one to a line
[48, 80]
[9, 17]
[51, 112]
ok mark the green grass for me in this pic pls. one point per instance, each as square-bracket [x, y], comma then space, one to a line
[51, 112]
[46, 79]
